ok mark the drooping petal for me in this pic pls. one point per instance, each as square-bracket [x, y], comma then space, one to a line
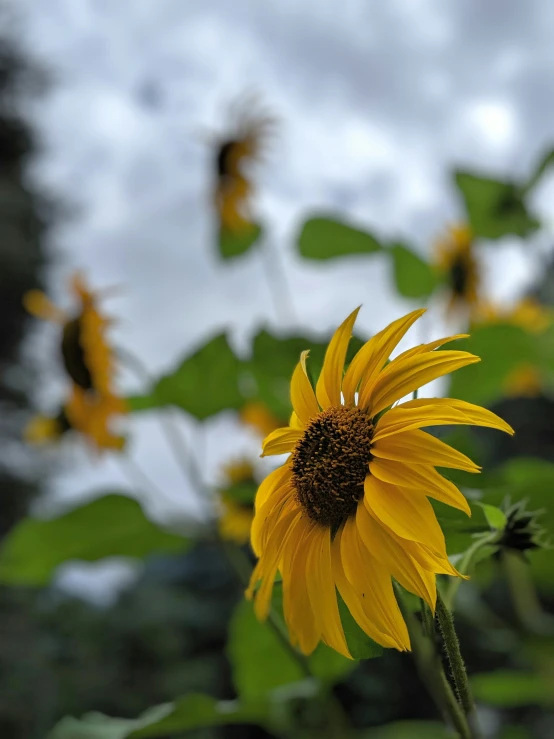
[328, 389]
[302, 393]
[411, 517]
[373, 586]
[323, 594]
[403, 376]
[267, 566]
[372, 356]
[39, 305]
[430, 560]
[420, 479]
[415, 414]
[385, 548]
[266, 515]
[297, 608]
[280, 441]
[419, 447]
[271, 483]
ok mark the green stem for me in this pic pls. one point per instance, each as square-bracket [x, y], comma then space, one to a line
[525, 601]
[455, 659]
[465, 567]
[429, 667]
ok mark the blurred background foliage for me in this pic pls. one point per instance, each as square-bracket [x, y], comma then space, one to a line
[179, 653]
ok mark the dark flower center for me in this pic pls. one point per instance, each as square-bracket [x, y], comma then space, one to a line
[459, 276]
[330, 464]
[225, 160]
[74, 355]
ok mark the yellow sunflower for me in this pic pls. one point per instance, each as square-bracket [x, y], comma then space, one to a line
[237, 512]
[233, 186]
[86, 413]
[349, 509]
[456, 260]
[260, 418]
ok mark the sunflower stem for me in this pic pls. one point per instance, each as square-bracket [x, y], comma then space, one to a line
[455, 659]
[466, 566]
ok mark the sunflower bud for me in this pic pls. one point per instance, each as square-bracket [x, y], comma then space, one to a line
[522, 531]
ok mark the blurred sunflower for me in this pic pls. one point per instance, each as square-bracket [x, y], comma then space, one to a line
[456, 261]
[349, 509]
[233, 186]
[237, 502]
[260, 418]
[89, 362]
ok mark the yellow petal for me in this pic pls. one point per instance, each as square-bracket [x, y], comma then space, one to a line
[266, 516]
[373, 585]
[422, 348]
[281, 441]
[419, 479]
[323, 592]
[422, 448]
[328, 389]
[271, 483]
[297, 608]
[402, 376]
[395, 558]
[415, 414]
[39, 305]
[430, 560]
[302, 393]
[410, 516]
[370, 359]
[295, 422]
[356, 602]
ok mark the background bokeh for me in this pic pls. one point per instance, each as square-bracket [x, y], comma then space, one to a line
[111, 115]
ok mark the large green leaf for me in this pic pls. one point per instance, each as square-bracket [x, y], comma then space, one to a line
[253, 645]
[414, 277]
[327, 237]
[494, 208]
[502, 348]
[508, 688]
[204, 383]
[190, 712]
[110, 526]
[234, 244]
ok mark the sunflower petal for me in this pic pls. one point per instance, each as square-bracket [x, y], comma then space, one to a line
[411, 517]
[280, 441]
[420, 479]
[271, 483]
[280, 501]
[430, 560]
[370, 359]
[39, 305]
[402, 376]
[420, 447]
[415, 414]
[302, 393]
[430, 346]
[328, 389]
[372, 583]
[385, 548]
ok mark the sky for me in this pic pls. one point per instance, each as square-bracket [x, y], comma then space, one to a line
[376, 103]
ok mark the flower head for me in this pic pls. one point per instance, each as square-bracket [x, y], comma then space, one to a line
[237, 502]
[90, 365]
[456, 260]
[233, 185]
[349, 509]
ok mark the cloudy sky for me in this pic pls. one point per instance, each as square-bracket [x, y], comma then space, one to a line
[376, 102]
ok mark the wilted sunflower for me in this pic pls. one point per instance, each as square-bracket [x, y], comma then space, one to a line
[456, 260]
[233, 185]
[349, 509]
[237, 502]
[89, 362]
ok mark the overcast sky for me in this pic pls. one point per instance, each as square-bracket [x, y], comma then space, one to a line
[376, 103]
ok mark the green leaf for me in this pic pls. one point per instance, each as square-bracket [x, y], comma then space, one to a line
[233, 244]
[203, 384]
[110, 526]
[494, 208]
[193, 711]
[502, 348]
[496, 518]
[327, 238]
[361, 646]
[414, 277]
[508, 688]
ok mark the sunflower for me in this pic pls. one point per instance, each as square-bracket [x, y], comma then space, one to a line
[260, 418]
[90, 365]
[456, 261]
[237, 502]
[234, 188]
[85, 413]
[349, 509]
